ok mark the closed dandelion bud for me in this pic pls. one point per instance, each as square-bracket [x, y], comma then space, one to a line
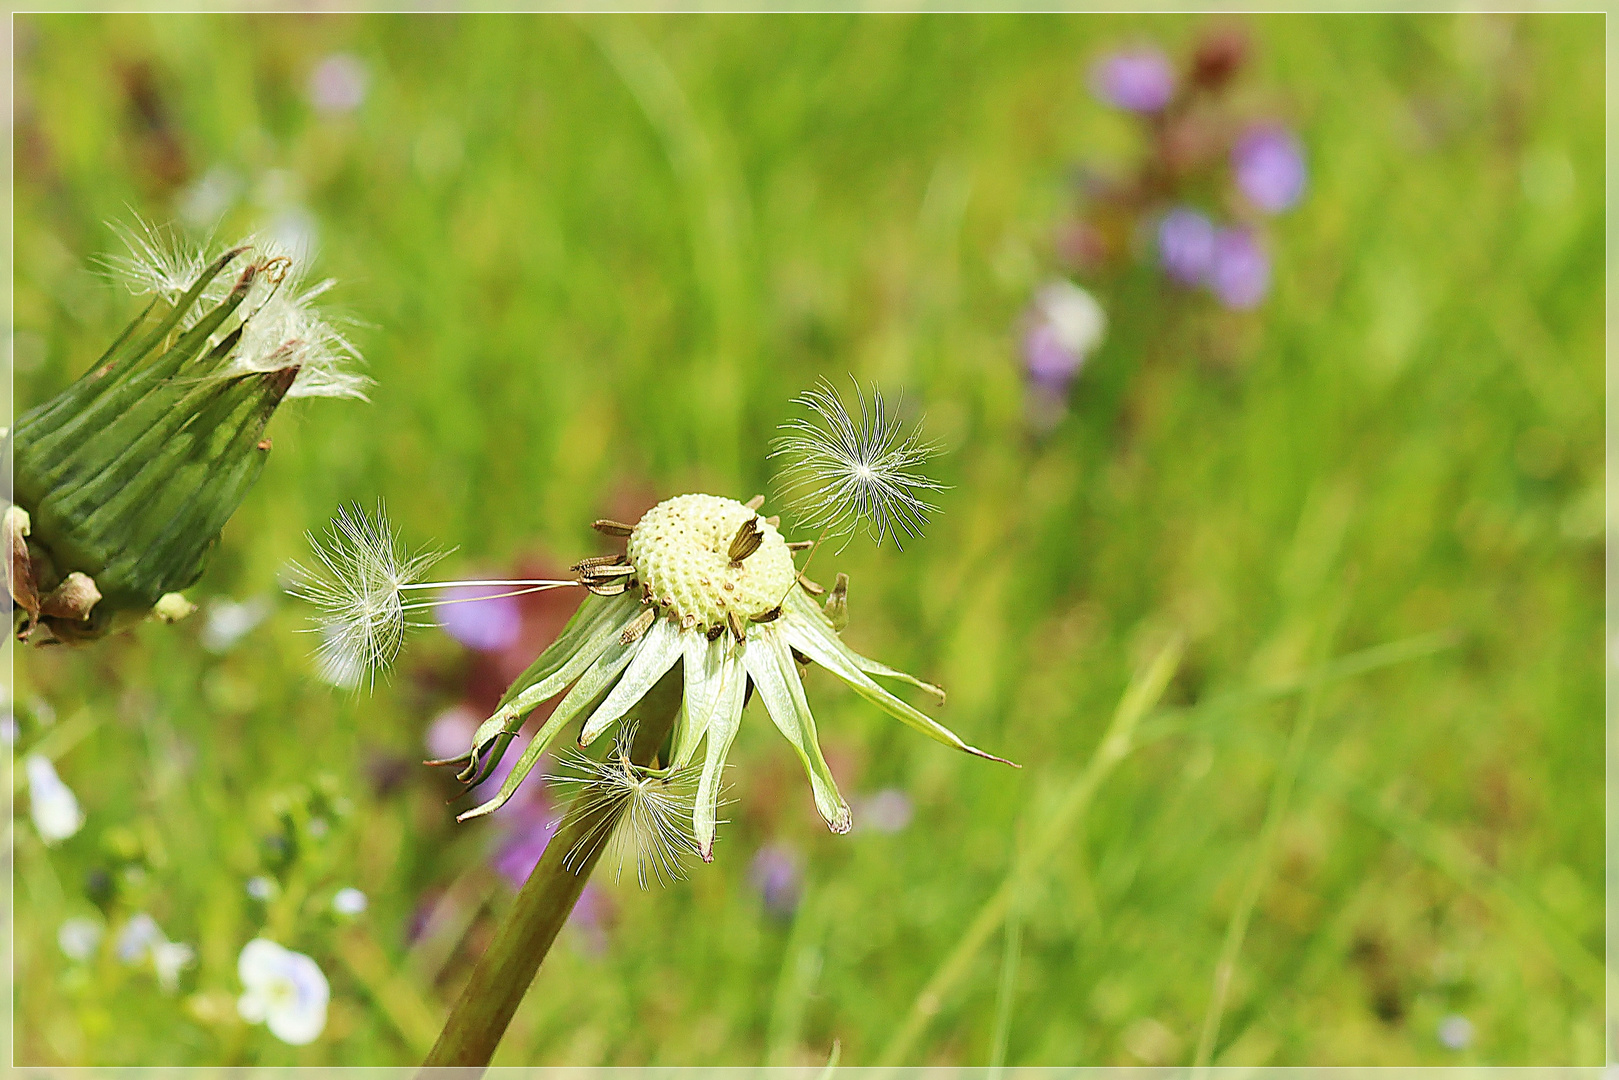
[123, 481]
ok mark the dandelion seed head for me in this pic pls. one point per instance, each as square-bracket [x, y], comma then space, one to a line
[843, 473]
[358, 589]
[645, 811]
[282, 325]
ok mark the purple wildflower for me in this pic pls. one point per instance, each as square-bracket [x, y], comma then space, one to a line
[481, 619]
[778, 873]
[1049, 363]
[1269, 166]
[530, 826]
[1140, 80]
[1186, 245]
[1240, 272]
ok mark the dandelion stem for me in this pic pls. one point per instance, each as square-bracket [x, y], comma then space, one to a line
[504, 972]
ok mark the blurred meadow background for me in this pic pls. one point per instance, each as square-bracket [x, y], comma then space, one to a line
[589, 263]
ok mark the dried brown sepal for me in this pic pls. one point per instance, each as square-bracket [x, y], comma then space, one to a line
[800, 545]
[734, 621]
[597, 560]
[755, 502]
[73, 598]
[768, 616]
[713, 632]
[749, 535]
[609, 527]
[19, 567]
[774, 521]
[640, 625]
[811, 587]
[607, 587]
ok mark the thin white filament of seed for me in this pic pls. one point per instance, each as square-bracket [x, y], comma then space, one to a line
[418, 605]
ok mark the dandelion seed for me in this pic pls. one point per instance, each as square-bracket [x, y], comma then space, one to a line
[360, 589]
[842, 472]
[363, 620]
[644, 809]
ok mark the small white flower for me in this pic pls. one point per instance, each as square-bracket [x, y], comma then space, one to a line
[1456, 1032]
[137, 937]
[260, 887]
[283, 990]
[228, 622]
[52, 803]
[78, 937]
[1074, 314]
[168, 959]
[9, 729]
[142, 941]
[842, 472]
[349, 901]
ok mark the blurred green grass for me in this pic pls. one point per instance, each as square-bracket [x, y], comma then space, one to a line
[595, 257]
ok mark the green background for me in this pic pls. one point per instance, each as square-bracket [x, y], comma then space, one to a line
[594, 258]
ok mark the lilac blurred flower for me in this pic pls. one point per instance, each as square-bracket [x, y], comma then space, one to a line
[1269, 166]
[777, 872]
[1240, 272]
[338, 84]
[1140, 80]
[450, 731]
[589, 919]
[531, 824]
[1067, 324]
[480, 618]
[888, 811]
[1186, 245]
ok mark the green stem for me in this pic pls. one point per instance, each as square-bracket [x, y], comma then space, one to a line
[504, 972]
